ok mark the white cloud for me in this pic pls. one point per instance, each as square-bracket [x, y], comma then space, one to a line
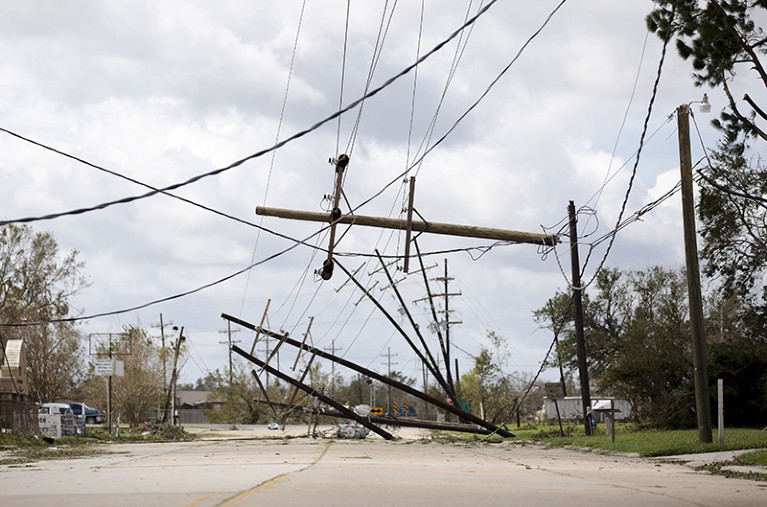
[162, 93]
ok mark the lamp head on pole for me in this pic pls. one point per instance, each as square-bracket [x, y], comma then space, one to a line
[705, 107]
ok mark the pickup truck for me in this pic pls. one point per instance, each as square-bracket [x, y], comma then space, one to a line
[92, 415]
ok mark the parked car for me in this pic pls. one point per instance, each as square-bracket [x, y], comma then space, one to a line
[56, 408]
[92, 415]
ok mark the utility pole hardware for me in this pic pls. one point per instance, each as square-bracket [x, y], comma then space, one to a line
[326, 271]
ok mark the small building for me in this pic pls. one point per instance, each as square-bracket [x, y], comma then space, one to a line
[13, 368]
[570, 407]
[191, 406]
[17, 410]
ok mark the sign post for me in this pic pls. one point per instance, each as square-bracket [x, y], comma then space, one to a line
[109, 345]
[554, 391]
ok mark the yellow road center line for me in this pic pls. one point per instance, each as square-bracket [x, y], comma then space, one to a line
[248, 492]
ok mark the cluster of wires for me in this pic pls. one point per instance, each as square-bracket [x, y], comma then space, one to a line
[312, 241]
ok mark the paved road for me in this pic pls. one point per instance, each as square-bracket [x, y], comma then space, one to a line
[319, 473]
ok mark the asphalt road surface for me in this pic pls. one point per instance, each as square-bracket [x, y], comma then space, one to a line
[328, 472]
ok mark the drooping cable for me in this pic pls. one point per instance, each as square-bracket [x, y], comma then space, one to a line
[274, 153]
[636, 160]
[377, 50]
[264, 151]
[304, 132]
[343, 74]
[459, 50]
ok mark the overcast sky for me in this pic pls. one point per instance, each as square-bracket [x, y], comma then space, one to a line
[161, 92]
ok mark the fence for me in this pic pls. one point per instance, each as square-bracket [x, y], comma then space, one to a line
[18, 413]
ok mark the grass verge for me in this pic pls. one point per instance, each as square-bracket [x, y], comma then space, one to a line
[20, 449]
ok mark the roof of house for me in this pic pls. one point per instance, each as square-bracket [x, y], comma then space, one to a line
[192, 397]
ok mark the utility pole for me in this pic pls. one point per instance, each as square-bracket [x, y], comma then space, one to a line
[332, 349]
[702, 404]
[389, 363]
[229, 341]
[446, 279]
[326, 271]
[446, 349]
[580, 340]
[174, 373]
[164, 354]
[466, 231]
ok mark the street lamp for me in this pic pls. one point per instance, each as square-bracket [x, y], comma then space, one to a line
[704, 107]
[702, 405]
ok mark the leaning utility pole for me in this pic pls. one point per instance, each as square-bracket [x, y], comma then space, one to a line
[164, 354]
[229, 341]
[702, 406]
[580, 340]
[173, 377]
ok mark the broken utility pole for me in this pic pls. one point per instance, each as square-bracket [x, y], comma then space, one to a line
[326, 271]
[369, 373]
[466, 231]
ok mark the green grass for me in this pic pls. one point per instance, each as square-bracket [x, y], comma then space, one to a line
[753, 458]
[22, 449]
[648, 442]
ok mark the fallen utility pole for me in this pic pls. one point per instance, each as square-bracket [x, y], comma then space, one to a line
[310, 391]
[420, 423]
[433, 369]
[467, 231]
[381, 378]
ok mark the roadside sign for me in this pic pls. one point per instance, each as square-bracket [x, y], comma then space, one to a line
[109, 368]
[376, 411]
[553, 390]
[104, 367]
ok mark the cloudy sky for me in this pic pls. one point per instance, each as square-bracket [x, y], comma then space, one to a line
[162, 92]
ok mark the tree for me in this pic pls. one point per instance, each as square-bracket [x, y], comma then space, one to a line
[36, 284]
[738, 356]
[734, 224]
[487, 388]
[637, 340]
[726, 46]
[242, 399]
[721, 39]
[137, 394]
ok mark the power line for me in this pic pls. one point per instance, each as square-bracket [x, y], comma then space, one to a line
[135, 181]
[483, 250]
[264, 151]
[636, 164]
